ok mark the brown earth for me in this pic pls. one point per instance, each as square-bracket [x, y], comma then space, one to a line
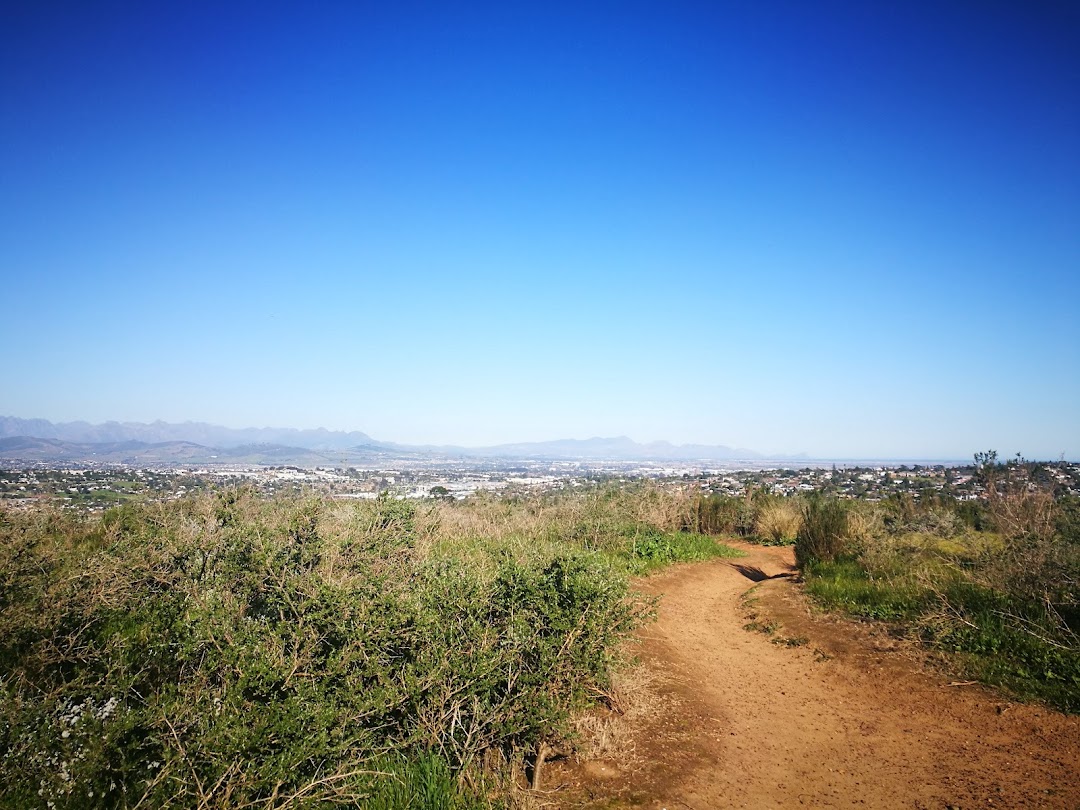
[819, 712]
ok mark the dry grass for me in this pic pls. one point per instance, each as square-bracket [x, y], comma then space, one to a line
[778, 520]
[485, 517]
[865, 523]
[606, 733]
[667, 510]
[595, 519]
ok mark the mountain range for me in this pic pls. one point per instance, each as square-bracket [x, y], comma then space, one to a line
[202, 443]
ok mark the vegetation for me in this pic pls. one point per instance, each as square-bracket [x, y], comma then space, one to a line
[778, 521]
[239, 649]
[235, 650]
[823, 535]
[997, 584]
[757, 516]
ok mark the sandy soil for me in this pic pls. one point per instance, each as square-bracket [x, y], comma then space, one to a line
[842, 715]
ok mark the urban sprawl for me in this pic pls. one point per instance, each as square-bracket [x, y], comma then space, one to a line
[91, 487]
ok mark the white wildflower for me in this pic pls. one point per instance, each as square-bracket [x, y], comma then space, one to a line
[106, 710]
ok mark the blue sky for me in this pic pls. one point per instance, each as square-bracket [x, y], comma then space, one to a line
[837, 228]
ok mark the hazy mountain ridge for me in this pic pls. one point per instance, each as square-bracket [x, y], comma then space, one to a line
[199, 442]
[28, 448]
[200, 433]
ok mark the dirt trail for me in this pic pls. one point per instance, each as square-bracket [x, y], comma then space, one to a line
[840, 717]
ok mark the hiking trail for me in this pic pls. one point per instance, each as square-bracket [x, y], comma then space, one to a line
[819, 712]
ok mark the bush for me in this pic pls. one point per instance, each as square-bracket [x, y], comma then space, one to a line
[823, 536]
[1019, 496]
[778, 520]
[722, 514]
[929, 515]
[229, 650]
[865, 523]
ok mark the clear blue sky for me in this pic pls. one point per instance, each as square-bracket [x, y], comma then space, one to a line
[845, 228]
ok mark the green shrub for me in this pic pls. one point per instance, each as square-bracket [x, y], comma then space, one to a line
[1068, 519]
[230, 651]
[823, 536]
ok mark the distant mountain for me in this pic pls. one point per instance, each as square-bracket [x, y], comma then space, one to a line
[195, 432]
[29, 448]
[201, 443]
[25, 448]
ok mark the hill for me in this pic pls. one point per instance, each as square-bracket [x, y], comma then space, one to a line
[200, 442]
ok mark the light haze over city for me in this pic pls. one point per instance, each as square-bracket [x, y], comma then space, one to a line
[832, 228]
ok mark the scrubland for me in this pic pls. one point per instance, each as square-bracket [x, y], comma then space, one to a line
[241, 651]
[232, 649]
[992, 585]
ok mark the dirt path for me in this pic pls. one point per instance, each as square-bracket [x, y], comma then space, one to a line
[836, 717]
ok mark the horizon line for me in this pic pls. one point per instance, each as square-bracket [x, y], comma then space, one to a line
[757, 456]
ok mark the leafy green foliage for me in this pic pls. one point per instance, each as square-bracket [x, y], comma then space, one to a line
[229, 650]
[1009, 642]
